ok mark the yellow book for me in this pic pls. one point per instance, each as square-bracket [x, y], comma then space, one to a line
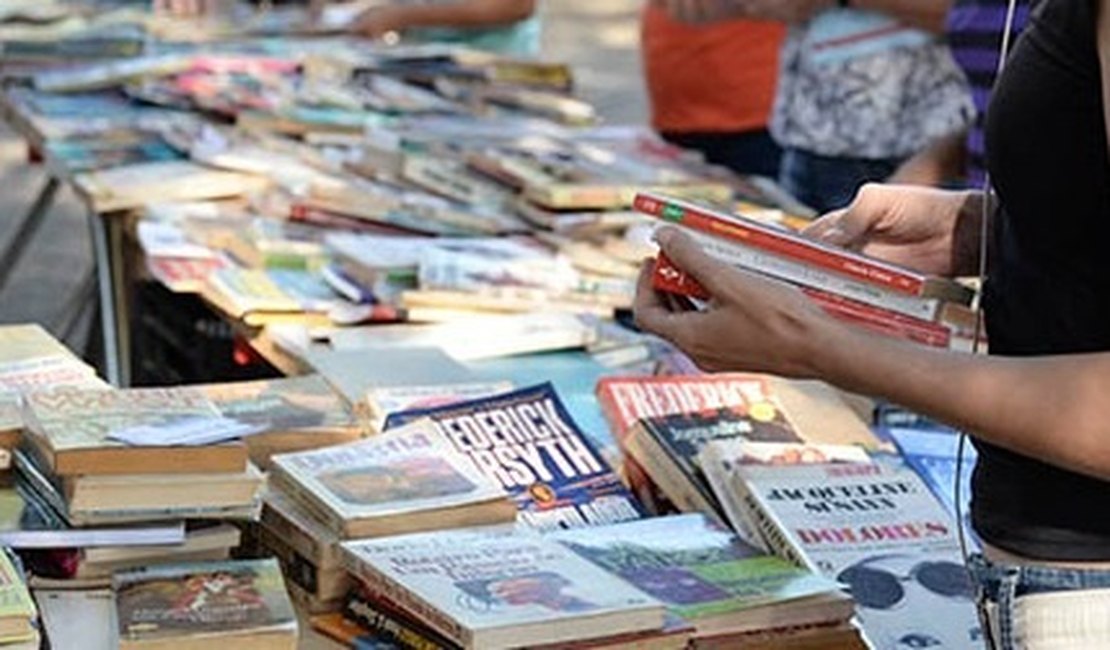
[17, 610]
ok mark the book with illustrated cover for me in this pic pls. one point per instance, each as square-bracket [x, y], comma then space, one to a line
[878, 531]
[627, 400]
[294, 414]
[242, 603]
[527, 442]
[501, 591]
[70, 431]
[386, 400]
[405, 480]
[814, 410]
[18, 613]
[709, 577]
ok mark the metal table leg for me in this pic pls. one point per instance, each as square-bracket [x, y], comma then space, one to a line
[107, 237]
[16, 247]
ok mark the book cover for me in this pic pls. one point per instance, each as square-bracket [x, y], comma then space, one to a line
[627, 400]
[527, 442]
[499, 592]
[751, 233]
[75, 420]
[303, 403]
[668, 446]
[932, 454]
[693, 566]
[203, 599]
[879, 532]
[406, 471]
[385, 400]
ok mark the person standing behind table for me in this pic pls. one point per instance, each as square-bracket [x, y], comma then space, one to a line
[508, 27]
[974, 30]
[712, 86]
[863, 85]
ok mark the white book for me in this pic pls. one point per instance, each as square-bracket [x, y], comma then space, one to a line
[497, 592]
[877, 530]
[407, 480]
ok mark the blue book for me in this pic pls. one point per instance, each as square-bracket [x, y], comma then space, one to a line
[932, 454]
[527, 442]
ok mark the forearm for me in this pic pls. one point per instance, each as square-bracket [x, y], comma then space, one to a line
[944, 160]
[1052, 408]
[925, 14]
[473, 13]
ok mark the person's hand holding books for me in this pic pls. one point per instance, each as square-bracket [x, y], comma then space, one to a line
[751, 322]
[926, 229]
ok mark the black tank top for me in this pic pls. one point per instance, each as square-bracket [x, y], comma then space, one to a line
[1048, 290]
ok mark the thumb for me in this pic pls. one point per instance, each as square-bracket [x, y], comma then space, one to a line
[690, 257]
[845, 228]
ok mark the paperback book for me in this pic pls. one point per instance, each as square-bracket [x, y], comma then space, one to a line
[501, 592]
[406, 480]
[241, 603]
[878, 531]
[528, 444]
[708, 576]
[71, 432]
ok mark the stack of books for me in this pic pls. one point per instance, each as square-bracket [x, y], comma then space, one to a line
[406, 480]
[71, 466]
[870, 293]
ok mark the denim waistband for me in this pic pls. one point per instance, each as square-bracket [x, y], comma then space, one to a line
[1001, 584]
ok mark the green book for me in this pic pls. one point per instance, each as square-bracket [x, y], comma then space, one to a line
[709, 576]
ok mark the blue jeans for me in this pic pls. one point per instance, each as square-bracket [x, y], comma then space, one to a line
[827, 183]
[1002, 585]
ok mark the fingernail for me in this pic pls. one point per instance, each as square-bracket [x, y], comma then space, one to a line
[663, 235]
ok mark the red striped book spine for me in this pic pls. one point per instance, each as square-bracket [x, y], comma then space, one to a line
[669, 278]
[752, 233]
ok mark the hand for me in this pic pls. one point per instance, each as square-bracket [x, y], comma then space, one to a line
[930, 230]
[376, 22]
[751, 324]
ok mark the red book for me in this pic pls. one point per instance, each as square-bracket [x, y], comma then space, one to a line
[785, 244]
[671, 279]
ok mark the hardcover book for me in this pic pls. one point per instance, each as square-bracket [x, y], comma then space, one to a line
[402, 481]
[708, 576]
[501, 592]
[242, 603]
[879, 532]
[528, 444]
[70, 431]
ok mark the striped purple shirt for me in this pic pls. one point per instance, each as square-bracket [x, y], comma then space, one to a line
[974, 32]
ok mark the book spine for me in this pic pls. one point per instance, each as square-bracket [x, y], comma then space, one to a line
[406, 633]
[668, 277]
[306, 499]
[380, 585]
[880, 320]
[735, 511]
[785, 244]
[631, 472]
[774, 535]
[679, 489]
